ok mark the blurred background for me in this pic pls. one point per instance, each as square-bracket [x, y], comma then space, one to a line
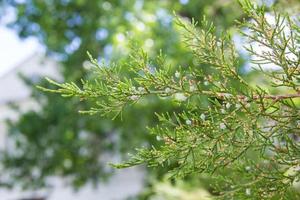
[48, 150]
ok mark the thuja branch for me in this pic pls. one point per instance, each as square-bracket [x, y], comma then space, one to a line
[254, 97]
[245, 137]
[71, 89]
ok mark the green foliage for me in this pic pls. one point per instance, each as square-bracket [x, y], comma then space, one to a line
[73, 144]
[245, 137]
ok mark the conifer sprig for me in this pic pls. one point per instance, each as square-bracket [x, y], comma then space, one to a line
[245, 137]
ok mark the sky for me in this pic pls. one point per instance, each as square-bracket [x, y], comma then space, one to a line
[13, 50]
